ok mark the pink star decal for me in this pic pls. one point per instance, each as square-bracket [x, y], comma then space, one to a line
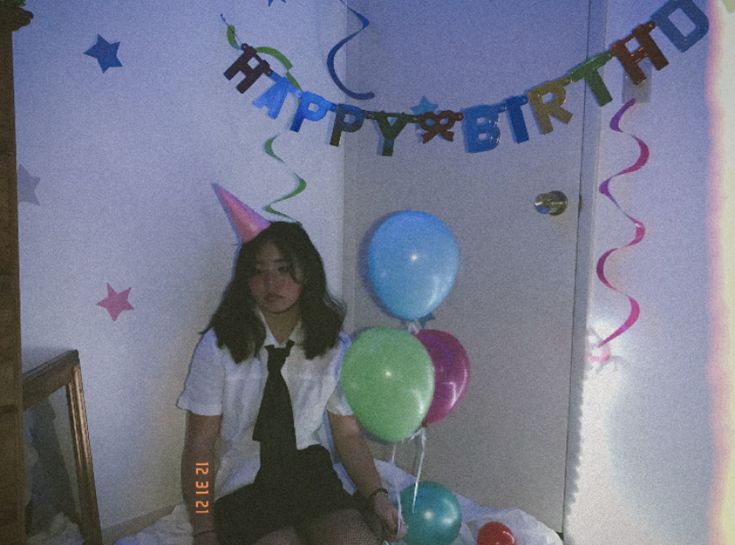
[115, 302]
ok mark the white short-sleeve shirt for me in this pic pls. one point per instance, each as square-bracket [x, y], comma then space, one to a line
[216, 385]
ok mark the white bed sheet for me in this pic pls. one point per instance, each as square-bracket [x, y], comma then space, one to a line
[174, 528]
[61, 531]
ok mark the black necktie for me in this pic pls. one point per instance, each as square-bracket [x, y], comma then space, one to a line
[274, 426]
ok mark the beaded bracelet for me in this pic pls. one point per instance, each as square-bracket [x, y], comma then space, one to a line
[377, 491]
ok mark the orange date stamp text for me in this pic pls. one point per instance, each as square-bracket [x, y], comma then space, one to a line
[202, 488]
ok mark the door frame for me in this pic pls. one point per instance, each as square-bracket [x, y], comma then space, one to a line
[591, 118]
[592, 125]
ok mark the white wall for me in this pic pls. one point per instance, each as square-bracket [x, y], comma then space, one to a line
[511, 305]
[126, 160]
[642, 461]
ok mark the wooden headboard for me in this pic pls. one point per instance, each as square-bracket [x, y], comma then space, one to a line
[12, 518]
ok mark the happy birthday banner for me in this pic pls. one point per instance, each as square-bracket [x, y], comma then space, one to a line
[479, 123]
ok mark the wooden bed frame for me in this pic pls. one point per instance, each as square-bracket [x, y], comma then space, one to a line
[12, 520]
[65, 372]
[19, 392]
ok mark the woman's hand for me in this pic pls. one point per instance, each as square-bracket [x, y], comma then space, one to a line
[393, 526]
[357, 459]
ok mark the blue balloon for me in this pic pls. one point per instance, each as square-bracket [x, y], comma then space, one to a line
[413, 260]
[435, 519]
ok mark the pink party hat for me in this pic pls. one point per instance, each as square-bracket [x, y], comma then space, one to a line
[246, 221]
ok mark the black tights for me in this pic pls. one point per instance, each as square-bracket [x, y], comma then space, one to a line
[345, 527]
[304, 504]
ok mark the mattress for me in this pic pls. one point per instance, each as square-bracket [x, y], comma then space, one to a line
[174, 528]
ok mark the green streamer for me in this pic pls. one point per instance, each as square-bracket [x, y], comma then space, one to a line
[283, 59]
[232, 37]
[268, 144]
[300, 182]
[273, 52]
[268, 148]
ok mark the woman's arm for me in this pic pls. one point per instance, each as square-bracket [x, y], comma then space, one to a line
[357, 459]
[197, 473]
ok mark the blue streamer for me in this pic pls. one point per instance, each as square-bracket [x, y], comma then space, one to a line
[333, 52]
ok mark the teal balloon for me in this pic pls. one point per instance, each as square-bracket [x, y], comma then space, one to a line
[413, 260]
[388, 380]
[435, 519]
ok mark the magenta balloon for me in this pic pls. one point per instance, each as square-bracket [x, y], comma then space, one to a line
[451, 372]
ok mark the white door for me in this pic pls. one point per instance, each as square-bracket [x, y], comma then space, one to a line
[512, 306]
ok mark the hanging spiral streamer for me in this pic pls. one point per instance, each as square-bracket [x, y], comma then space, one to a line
[640, 229]
[234, 41]
[300, 182]
[336, 48]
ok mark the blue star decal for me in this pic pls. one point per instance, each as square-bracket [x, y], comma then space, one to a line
[105, 53]
[421, 108]
[424, 106]
[27, 186]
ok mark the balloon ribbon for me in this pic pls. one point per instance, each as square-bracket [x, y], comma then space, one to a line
[640, 229]
[422, 437]
[396, 492]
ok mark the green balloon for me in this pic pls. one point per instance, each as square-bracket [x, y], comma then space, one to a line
[388, 379]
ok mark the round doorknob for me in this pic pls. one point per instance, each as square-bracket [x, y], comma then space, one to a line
[552, 203]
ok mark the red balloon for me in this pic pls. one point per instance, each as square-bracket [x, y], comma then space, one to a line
[451, 372]
[495, 533]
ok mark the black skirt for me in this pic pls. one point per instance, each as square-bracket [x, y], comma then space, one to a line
[289, 497]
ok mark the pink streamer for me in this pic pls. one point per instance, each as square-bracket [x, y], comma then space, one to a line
[640, 229]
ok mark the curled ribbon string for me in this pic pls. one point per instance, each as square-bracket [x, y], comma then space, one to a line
[396, 492]
[234, 41]
[412, 326]
[640, 229]
[333, 52]
[422, 438]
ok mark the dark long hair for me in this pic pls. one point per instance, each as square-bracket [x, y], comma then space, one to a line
[235, 321]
